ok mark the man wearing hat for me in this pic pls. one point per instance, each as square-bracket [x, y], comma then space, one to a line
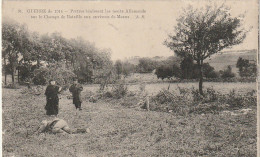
[76, 89]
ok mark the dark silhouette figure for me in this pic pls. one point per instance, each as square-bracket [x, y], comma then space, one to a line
[76, 89]
[52, 105]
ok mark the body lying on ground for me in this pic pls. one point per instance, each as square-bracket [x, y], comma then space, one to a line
[58, 126]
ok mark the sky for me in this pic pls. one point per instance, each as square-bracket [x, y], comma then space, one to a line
[142, 37]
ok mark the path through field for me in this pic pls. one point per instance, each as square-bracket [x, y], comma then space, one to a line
[119, 131]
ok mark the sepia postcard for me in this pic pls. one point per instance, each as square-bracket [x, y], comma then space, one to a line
[130, 78]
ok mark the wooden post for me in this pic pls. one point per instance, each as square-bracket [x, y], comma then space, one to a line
[147, 103]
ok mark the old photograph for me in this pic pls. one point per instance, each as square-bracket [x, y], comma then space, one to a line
[129, 78]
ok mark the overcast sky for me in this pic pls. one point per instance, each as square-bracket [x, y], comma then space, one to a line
[126, 38]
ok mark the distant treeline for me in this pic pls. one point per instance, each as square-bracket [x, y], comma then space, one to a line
[186, 69]
[39, 58]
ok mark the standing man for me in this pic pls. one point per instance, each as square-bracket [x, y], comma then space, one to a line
[76, 89]
[51, 93]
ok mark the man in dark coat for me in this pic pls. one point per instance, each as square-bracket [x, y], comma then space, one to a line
[76, 89]
[52, 106]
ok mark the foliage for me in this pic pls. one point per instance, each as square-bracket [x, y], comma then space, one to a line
[214, 102]
[190, 70]
[246, 69]
[117, 91]
[167, 71]
[15, 43]
[168, 68]
[40, 76]
[62, 74]
[227, 73]
[29, 51]
[146, 65]
[26, 72]
[203, 32]
[58, 72]
[118, 68]
[209, 71]
[128, 68]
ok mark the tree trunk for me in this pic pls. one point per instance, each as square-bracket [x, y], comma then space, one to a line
[18, 77]
[5, 69]
[13, 74]
[201, 77]
[38, 63]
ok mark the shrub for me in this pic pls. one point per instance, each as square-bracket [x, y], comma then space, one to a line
[227, 73]
[209, 71]
[209, 95]
[169, 101]
[146, 65]
[57, 71]
[238, 100]
[190, 101]
[119, 90]
[168, 71]
[40, 76]
[246, 69]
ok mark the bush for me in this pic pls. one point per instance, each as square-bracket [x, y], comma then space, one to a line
[227, 73]
[40, 76]
[167, 71]
[209, 95]
[146, 65]
[209, 71]
[169, 101]
[246, 69]
[58, 72]
[190, 70]
[190, 101]
[119, 90]
[238, 100]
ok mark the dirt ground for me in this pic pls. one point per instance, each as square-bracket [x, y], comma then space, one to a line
[119, 131]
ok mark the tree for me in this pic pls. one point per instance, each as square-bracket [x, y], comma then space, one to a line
[209, 71]
[203, 32]
[146, 65]
[169, 68]
[188, 69]
[15, 43]
[128, 68]
[166, 71]
[118, 68]
[227, 73]
[246, 68]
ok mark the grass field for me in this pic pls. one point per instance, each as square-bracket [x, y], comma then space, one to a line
[154, 88]
[119, 131]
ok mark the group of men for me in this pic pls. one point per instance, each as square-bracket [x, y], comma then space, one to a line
[52, 108]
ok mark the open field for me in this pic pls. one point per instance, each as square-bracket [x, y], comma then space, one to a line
[119, 131]
[154, 88]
